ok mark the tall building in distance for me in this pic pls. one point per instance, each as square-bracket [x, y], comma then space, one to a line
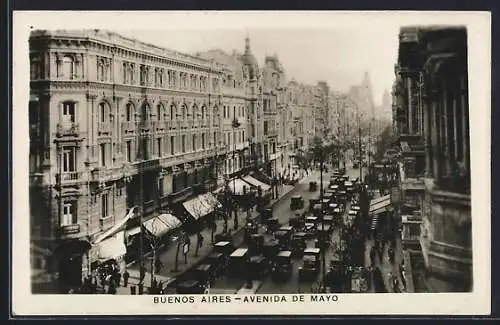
[431, 120]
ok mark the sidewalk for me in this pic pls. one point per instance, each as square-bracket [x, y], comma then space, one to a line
[167, 273]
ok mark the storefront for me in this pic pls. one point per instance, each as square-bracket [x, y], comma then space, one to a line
[256, 183]
[379, 206]
[201, 206]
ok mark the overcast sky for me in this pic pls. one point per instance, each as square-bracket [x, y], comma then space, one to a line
[338, 56]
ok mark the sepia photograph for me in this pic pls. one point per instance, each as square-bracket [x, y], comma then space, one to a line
[252, 164]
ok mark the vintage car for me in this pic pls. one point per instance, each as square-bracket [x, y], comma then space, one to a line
[298, 243]
[192, 286]
[353, 213]
[204, 273]
[312, 219]
[250, 229]
[317, 209]
[266, 214]
[272, 224]
[331, 206]
[283, 265]
[355, 208]
[349, 186]
[297, 222]
[255, 244]
[334, 276]
[328, 219]
[312, 203]
[223, 237]
[327, 198]
[270, 249]
[313, 186]
[310, 264]
[284, 235]
[219, 262]
[296, 202]
[238, 263]
[310, 230]
[258, 267]
[333, 187]
[224, 247]
[323, 237]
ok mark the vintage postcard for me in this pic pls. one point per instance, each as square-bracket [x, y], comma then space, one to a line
[312, 163]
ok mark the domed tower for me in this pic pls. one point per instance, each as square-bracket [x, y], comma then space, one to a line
[250, 61]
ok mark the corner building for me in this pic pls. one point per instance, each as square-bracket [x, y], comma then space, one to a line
[432, 121]
[103, 110]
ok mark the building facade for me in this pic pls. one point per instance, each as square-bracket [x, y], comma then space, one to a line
[432, 121]
[105, 109]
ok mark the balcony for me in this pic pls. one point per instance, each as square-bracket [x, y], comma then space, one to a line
[70, 231]
[129, 127]
[103, 174]
[69, 178]
[103, 128]
[68, 129]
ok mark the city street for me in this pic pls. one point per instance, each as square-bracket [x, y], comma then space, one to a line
[282, 211]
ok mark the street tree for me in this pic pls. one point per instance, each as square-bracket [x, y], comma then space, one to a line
[154, 243]
[181, 241]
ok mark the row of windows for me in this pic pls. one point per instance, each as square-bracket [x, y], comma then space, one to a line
[159, 148]
[69, 111]
[236, 111]
[69, 68]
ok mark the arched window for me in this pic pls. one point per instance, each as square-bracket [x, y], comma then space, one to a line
[172, 112]
[159, 112]
[129, 112]
[203, 112]
[103, 112]
[145, 112]
[195, 112]
[183, 112]
[68, 67]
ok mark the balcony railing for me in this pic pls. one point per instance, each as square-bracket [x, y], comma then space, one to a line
[68, 129]
[104, 127]
[70, 177]
[69, 230]
[104, 174]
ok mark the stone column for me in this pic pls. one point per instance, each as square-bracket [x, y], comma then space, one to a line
[427, 113]
[456, 116]
[435, 138]
[445, 132]
[465, 122]
[410, 108]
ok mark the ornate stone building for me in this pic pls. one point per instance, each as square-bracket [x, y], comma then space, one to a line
[105, 109]
[432, 121]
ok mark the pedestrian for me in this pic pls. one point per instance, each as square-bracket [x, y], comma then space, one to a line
[200, 240]
[158, 264]
[126, 275]
[112, 287]
[403, 277]
[142, 274]
[118, 276]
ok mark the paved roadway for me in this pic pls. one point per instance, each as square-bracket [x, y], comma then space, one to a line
[283, 213]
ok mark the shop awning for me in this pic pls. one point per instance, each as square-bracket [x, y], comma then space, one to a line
[170, 220]
[118, 226]
[156, 226]
[256, 183]
[380, 205]
[113, 247]
[201, 205]
[236, 186]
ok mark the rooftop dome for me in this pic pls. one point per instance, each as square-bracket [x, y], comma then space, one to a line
[249, 59]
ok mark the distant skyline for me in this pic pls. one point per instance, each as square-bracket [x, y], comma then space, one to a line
[339, 56]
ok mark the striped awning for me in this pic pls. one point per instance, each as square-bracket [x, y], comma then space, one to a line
[379, 205]
[256, 183]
